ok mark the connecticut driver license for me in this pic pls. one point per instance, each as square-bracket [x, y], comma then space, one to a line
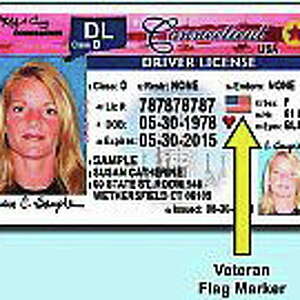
[165, 119]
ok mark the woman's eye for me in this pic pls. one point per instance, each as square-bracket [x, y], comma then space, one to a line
[18, 109]
[51, 111]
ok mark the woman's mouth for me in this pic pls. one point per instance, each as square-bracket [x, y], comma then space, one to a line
[33, 137]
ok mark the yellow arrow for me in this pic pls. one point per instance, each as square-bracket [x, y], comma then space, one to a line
[242, 140]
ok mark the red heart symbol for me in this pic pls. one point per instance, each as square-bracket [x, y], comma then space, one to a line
[228, 121]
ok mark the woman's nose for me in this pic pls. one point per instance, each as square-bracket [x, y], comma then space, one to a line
[33, 116]
[284, 176]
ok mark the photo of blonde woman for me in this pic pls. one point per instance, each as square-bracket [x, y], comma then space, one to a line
[281, 185]
[39, 135]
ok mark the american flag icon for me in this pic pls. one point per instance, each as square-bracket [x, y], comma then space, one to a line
[238, 104]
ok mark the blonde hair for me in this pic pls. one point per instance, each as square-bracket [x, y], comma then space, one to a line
[267, 205]
[69, 163]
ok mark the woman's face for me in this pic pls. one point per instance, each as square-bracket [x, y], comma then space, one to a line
[282, 178]
[32, 119]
